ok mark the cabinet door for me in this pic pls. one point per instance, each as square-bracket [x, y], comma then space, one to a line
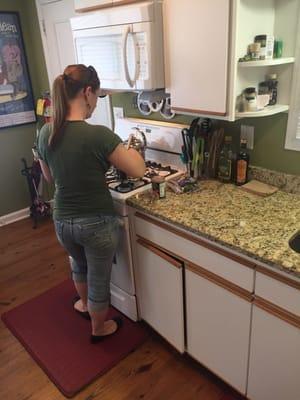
[274, 358]
[196, 55]
[218, 328]
[59, 49]
[57, 36]
[160, 292]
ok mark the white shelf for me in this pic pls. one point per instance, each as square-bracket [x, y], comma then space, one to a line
[266, 63]
[269, 110]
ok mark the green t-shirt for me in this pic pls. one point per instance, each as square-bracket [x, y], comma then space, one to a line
[78, 165]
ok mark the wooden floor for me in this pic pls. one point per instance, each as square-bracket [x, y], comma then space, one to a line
[31, 262]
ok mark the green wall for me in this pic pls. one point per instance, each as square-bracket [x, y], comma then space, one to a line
[16, 142]
[269, 135]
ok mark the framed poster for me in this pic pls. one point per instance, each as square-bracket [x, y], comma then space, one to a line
[16, 98]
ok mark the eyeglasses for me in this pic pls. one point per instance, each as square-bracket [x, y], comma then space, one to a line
[103, 94]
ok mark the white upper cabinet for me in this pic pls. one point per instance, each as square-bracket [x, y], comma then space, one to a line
[196, 55]
[204, 42]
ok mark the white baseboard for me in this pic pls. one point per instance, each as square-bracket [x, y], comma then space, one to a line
[17, 215]
[14, 216]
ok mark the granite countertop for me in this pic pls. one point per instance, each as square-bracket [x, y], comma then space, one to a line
[256, 226]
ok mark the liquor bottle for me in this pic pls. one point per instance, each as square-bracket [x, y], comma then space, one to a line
[242, 164]
[226, 161]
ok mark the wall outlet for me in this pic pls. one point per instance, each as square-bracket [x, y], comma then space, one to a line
[247, 132]
[118, 112]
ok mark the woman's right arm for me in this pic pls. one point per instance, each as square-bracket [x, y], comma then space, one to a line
[129, 161]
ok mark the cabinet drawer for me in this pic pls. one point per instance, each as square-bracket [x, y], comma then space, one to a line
[278, 290]
[189, 248]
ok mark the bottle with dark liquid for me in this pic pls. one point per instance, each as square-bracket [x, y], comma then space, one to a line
[242, 164]
[225, 161]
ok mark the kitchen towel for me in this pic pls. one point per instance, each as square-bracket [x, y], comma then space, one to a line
[58, 339]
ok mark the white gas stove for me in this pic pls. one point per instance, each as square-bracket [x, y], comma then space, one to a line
[162, 155]
[164, 142]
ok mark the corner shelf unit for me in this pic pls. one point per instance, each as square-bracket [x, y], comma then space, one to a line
[269, 110]
[266, 63]
[278, 18]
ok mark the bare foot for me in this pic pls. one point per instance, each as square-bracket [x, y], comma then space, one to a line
[79, 306]
[109, 327]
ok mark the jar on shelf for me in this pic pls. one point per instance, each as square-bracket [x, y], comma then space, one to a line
[272, 83]
[266, 46]
[250, 99]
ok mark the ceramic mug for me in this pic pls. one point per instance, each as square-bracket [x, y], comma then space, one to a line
[262, 100]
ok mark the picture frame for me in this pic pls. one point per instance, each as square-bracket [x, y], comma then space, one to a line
[17, 105]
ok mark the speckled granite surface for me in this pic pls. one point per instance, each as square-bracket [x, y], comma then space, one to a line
[259, 227]
[285, 182]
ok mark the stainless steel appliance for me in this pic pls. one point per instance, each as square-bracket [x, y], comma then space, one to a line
[162, 158]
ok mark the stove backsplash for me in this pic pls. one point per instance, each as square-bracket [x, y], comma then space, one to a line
[163, 139]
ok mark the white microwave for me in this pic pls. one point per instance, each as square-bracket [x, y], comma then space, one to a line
[124, 44]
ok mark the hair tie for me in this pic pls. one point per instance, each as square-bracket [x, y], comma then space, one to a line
[64, 76]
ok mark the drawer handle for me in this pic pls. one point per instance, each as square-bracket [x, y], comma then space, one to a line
[219, 281]
[277, 311]
[159, 253]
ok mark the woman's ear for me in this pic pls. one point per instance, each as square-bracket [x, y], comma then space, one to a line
[87, 90]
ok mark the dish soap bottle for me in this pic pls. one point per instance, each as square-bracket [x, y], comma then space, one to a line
[242, 164]
[225, 161]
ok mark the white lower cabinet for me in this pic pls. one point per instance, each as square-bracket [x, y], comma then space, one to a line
[248, 335]
[159, 285]
[274, 372]
[218, 327]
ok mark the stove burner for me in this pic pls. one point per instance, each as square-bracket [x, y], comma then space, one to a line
[127, 186]
[124, 187]
[123, 184]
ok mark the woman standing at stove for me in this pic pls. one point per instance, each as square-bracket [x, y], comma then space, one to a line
[76, 156]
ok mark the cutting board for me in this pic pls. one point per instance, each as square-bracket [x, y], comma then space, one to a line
[259, 188]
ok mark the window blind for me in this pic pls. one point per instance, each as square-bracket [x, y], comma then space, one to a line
[293, 128]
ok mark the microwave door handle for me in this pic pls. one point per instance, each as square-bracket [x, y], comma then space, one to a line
[125, 38]
[130, 82]
[136, 58]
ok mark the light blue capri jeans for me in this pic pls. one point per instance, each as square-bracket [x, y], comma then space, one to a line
[91, 243]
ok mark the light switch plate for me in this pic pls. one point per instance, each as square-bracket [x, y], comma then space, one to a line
[247, 132]
[118, 112]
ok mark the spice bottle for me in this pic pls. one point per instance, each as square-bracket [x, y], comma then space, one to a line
[225, 161]
[272, 83]
[266, 46]
[159, 186]
[242, 164]
[250, 102]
